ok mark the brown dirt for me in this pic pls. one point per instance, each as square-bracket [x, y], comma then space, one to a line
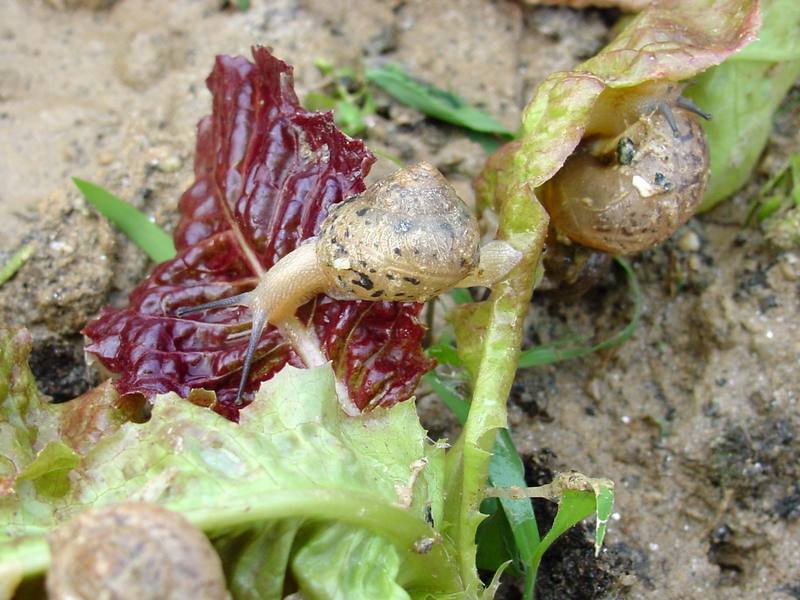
[695, 418]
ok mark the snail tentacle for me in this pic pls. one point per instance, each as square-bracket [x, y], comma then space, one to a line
[238, 299]
[259, 322]
[665, 110]
[687, 104]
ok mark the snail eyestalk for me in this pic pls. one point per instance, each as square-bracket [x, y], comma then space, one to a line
[686, 103]
[408, 238]
[238, 299]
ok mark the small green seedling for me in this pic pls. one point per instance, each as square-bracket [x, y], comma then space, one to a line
[345, 92]
[15, 262]
[141, 231]
[777, 208]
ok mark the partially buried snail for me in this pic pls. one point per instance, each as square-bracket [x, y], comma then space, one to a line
[638, 175]
[407, 238]
[133, 551]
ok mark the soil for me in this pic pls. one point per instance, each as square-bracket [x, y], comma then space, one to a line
[695, 418]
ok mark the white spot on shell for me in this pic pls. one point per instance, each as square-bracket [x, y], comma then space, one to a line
[341, 263]
[644, 187]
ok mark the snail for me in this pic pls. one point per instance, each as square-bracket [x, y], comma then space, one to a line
[407, 238]
[638, 175]
[133, 550]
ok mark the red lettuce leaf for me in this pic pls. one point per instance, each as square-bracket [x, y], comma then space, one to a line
[266, 173]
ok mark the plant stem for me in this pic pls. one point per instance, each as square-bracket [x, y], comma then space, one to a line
[523, 223]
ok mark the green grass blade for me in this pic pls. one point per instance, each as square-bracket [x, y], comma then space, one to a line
[433, 101]
[507, 470]
[445, 354]
[141, 231]
[14, 263]
[604, 497]
[555, 352]
[452, 399]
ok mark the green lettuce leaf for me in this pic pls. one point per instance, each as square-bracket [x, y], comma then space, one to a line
[293, 459]
[743, 94]
[256, 557]
[342, 563]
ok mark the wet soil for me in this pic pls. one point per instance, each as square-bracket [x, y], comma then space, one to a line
[695, 418]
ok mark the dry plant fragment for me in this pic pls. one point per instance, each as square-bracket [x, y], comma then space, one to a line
[133, 551]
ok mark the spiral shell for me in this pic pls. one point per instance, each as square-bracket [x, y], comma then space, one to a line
[132, 551]
[631, 192]
[408, 237]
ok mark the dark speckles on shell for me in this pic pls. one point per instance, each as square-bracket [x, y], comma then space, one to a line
[363, 281]
[421, 240]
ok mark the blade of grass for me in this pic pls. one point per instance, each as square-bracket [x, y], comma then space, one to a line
[552, 353]
[141, 231]
[444, 354]
[14, 263]
[434, 102]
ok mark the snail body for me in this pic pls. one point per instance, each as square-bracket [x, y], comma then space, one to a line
[639, 174]
[408, 238]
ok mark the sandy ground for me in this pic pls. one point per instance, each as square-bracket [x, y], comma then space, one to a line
[696, 417]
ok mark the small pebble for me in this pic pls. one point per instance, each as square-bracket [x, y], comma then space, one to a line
[689, 242]
[170, 164]
[790, 267]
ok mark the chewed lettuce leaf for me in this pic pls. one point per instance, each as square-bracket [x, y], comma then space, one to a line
[39, 441]
[293, 458]
[266, 173]
[672, 41]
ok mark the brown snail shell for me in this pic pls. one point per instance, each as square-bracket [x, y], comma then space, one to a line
[133, 551]
[627, 193]
[408, 237]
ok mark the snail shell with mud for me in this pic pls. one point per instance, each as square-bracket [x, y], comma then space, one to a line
[639, 174]
[133, 551]
[408, 238]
